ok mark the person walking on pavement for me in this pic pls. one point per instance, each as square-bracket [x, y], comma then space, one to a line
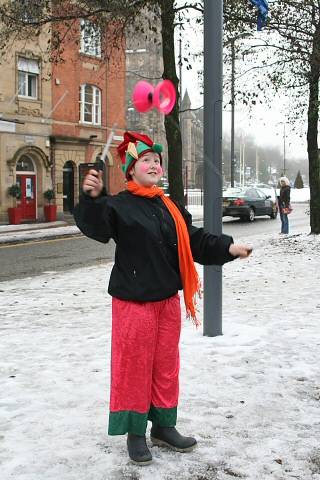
[284, 204]
[156, 247]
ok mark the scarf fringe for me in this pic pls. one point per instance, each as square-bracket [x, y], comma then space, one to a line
[191, 310]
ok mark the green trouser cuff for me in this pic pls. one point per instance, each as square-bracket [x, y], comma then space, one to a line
[133, 422]
[127, 421]
[164, 417]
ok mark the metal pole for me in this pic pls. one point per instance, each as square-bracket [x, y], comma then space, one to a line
[240, 160]
[233, 57]
[213, 31]
[284, 149]
[243, 164]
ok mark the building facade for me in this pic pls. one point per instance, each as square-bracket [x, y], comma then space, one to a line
[25, 127]
[191, 123]
[88, 95]
[56, 118]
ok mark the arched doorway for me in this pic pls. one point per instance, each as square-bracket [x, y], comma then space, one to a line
[27, 180]
[68, 187]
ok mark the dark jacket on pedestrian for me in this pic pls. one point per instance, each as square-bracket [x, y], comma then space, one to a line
[284, 197]
[146, 259]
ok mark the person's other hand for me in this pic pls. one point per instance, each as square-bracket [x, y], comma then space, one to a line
[93, 184]
[240, 250]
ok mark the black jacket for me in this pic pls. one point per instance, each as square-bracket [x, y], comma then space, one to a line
[146, 259]
[284, 198]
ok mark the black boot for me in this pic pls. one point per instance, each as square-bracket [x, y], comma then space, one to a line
[170, 437]
[138, 450]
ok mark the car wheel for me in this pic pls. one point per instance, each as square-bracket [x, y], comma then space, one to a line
[251, 215]
[274, 214]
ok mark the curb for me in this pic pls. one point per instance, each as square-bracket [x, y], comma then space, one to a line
[17, 241]
[19, 238]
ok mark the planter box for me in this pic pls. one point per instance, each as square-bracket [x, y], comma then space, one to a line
[15, 215]
[50, 213]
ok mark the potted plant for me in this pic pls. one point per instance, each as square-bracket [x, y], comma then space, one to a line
[15, 212]
[50, 210]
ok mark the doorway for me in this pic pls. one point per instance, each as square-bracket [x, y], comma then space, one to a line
[27, 180]
[68, 187]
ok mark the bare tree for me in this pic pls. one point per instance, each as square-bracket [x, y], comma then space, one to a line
[291, 62]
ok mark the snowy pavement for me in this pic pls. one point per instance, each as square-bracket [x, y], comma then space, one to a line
[251, 397]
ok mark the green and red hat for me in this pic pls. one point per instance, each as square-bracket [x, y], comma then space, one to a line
[135, 145]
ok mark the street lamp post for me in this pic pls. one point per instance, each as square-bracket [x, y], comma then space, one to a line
[213, 21]
[232, 42]
[233, 59]
[284, 149]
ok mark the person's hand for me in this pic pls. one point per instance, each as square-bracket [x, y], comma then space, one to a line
[240, 250]
[93, 184]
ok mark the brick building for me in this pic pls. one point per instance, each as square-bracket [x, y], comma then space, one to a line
[56, 118]
[88, 95]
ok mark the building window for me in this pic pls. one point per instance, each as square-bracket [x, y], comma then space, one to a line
[133, 118]
[28, 77]
[90, 104]
[90, 43]
[25, 164]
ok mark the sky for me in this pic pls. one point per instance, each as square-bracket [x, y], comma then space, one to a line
[265, 122]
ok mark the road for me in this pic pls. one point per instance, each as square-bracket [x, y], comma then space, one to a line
[299, 222]
[29, 259]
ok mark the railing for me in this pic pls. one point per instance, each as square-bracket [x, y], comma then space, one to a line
[194, 197]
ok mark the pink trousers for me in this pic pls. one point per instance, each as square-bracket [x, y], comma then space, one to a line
[144, 364]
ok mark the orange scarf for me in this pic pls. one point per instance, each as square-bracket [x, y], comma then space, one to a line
[189, 276]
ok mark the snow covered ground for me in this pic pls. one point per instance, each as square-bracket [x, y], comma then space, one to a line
[299, 194]
[251, 396]
[21, 235]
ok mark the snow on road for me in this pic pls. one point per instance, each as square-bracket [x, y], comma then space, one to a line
[251, 396]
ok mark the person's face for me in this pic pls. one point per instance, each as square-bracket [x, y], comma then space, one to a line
[147, 170]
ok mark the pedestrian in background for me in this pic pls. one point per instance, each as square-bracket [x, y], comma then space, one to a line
[156, 246]
[284, 204]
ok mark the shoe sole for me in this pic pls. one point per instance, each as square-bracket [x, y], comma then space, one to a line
[161, 443]
[142, 464]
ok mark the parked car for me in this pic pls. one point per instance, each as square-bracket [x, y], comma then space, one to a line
[267, 190]
[248, 203]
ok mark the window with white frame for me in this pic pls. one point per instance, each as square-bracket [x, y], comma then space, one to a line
[90, 43]
[90, 104]
[28, 77]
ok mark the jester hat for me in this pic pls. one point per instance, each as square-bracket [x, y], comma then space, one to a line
[135, 145]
